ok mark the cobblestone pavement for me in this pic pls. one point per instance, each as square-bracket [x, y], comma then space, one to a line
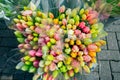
[108, 60]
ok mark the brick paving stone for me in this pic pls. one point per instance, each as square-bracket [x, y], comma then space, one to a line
[5, 33]
[4, 77]
[2, 25]
[96, 69]
[104, 70]
[28, 76]
[115, 66]
[116, 76]
[3, 51]
[119, 44]
[113, 28]
[105, 46]
[118, 36]
[12, 33]
[18, 75]
[9, 68]
[117, 22]
[3, 59]
[14, 54]
[91, 76]
[112, 41]
[109, 55]
[9, 42]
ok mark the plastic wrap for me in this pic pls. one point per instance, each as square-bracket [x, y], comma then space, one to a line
[59, 39]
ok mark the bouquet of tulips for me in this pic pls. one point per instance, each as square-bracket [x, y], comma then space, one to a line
[57, 48]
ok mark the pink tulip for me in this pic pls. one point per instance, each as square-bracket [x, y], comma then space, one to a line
[87, 58]
[57, 26]
[20, 46]
[90, 16]
[30, 37]
[27, 46]
[47, 39]
[32, 53]
[82, 25]
[38, 30]
[92, 47]
[56, 36]
[51, 77]
[60, 57]
[75, 64]
[27, 41]
[75, 48]
[86, 30]
[36, 63]
[77, 32]
[55, 60]
[39, 53]
[82, 36]
[27, 12]
[45, 76]
[52, 66]
[24, 25]
[40, 40]
[64, 21]
[85, 51]
[47, 27]
[19, 26]
[53, 53]
[88, 35]
[62, 9]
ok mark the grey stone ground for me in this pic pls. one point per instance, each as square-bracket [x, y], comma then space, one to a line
[108, 60]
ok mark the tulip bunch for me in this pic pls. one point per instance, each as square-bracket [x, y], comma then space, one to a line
[53, 46]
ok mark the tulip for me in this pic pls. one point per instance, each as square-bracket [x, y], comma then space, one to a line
[30, 37]
[20, 46]
[27, 12]
[75, 64]
[19, 65]
[18, 34]
[57, 37]
[55, 74]
[86, 30]
[62, 9]
[71, 73]
[46, 68]
[45, 76]
[32, 69]
[52, 66]
[68, 11]
[87, 58]
[82, 25]
[25, 67]
[32, 53]
[19, 26]
[38, 30]
[82, 11]
[64, 21]
[75, 48]
[92, 47]
[77, 32]
[51, 15]
[85, 51]
[60, 57]
[27, 46]
[86, 68]
[42, 63]
[36, 63]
